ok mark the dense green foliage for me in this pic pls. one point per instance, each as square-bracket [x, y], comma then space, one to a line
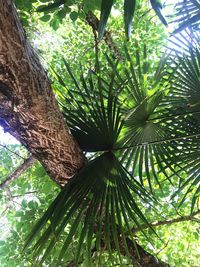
[136, 119]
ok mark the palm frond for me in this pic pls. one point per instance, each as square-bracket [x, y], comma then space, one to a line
[157, 7]
[161, 130]
[139, 130]
[144, 136]
[183, 103]
[92, 111]
[100, 199]
[187, 15]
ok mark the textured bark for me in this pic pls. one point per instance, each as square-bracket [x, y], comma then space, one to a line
[141, 257]
[28, 109]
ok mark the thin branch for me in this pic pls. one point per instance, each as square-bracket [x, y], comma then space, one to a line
[27, 193]
[167, 222]
[165, 245]
[145, 258]
[11, 151]
[10, 199]
[22, 168]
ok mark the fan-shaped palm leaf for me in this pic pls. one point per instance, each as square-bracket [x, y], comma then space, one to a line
[145, 143]
[184, 103]
[93, 112]
[142, 128]
[187, 15]
[103, 193]
[100, 199]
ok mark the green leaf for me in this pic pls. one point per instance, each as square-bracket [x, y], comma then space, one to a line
[96, 124]
[50, 7]
[45, 18]
[54, 23]
[73, 15]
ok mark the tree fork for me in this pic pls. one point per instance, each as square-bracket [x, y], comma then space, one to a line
[28, 108]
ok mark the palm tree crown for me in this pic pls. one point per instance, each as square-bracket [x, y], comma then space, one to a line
[136, 129]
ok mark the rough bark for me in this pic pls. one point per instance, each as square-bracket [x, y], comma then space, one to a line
[28, 109]
[141, 257]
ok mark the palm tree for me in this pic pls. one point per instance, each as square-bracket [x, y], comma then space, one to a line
[132, 129]
[137, 128]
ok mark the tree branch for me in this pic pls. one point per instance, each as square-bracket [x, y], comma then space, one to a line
[22, 168]
[28, 109]
[27, 193]
[93, 21]
[166, 222]
[142, 257]
[139, 256]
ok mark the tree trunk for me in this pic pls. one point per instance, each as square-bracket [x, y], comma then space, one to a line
[141, 257]
[28, 108]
